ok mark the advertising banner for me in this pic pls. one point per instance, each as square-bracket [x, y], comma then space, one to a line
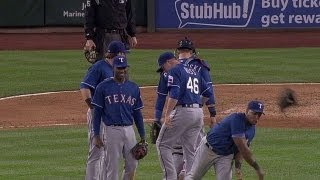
[237, 13]
[70, 12]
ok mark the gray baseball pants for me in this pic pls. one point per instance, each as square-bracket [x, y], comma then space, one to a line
[119, 142]
[205, 158]
[95, 163]
[186, 125]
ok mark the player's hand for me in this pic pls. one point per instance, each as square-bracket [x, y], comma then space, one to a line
[260, 173]
[167, 121]
[133, 42]
[90, 45]
[98, 141]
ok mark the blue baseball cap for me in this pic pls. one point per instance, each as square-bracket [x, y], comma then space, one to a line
[116, 47]
[256, 106]
[120, 62]
[163, 58]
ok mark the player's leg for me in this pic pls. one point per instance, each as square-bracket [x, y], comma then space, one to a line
[178, 158]
[113, 146]
[223, 167]
[189, 137]
[131, 163]
[167, 139]
[203, 160]
[103, 163]
[94, 156]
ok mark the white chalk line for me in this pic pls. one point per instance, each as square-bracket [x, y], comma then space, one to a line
[144, 87]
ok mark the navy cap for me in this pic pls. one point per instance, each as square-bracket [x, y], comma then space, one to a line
[120, 61]
[256, 106]
[163, 58]
[116, 47]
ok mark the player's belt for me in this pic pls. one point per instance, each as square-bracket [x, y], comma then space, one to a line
[191, 105]
[210, 147]
[114, 31]
[122, 125]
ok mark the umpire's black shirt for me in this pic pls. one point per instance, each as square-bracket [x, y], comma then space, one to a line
[109, 15]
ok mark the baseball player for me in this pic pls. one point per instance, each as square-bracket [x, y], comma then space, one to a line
[220, 144]
[187, 55]
[183, 116]
[249, 134]
[96, 74]
[162, 92]
[118, 103]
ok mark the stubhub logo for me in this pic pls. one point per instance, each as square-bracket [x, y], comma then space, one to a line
[220, 13]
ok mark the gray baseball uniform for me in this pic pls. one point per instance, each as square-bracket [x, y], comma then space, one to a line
[186, 86]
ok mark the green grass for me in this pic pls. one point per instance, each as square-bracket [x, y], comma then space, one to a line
[41, 71]
[60, 153]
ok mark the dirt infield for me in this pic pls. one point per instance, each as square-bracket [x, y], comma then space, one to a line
[69, 108]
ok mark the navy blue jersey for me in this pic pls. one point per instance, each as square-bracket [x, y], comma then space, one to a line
[118, 102]
[96, 74]
[186, 85]
[234, 125]
[203, 69]
[162, 92]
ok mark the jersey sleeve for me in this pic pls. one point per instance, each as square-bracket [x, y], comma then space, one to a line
[98, 98]
[237, 127]
[89, 24]
[162, 92]
[91, 79]
[206, 91]
[207, 77]
[138, 104]
[174, 83]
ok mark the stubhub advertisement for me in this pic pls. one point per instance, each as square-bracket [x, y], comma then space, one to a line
[237, 13]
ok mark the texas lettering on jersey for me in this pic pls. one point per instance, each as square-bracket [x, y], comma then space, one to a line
[120, 98]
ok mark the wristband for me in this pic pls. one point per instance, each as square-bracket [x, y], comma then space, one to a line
[212, 111]
[88, 101]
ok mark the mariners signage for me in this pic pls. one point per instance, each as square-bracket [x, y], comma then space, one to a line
[237, 13]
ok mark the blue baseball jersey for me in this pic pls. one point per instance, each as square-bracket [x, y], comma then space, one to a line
[186, 85]
[202, 67]
[96, 74]
[162, 92]
[119, 102]
[234, 125]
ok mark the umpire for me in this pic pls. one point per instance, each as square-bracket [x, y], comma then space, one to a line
[108, 20]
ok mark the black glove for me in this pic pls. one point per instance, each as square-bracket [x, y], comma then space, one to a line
[140, 150]
[154, 132]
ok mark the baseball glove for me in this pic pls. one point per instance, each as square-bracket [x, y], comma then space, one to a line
[287, 98]
[154, 132]
[90, 56]
[140, 150]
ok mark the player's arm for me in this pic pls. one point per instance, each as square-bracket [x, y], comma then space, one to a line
[86, 95]
[247, 154]
[131, 26]
[90, 16]
[237, 164]
[211, 100]
[138, 119]
[172, 102]
[162, 92]
[98, 103]
[137, 116]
